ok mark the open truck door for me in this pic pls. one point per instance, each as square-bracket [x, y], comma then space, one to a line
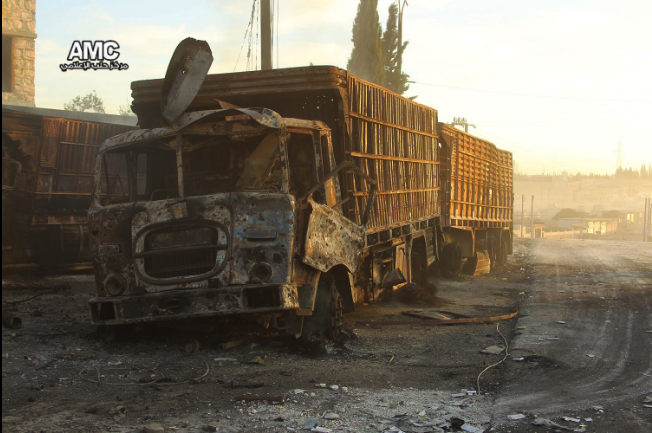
[331, 238]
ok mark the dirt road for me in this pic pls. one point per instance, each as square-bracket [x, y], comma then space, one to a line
[584, 332]
[383, 378]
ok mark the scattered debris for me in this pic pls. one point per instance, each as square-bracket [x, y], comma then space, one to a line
[456, 422]
[230, 344]
[234, 385]
[192, 347]
[493, 350]
[11, 321]
[310, 423]
[519, 359]
[256, 360]
[570, 419]
[516, 416]
[154, 428]
[471, 429]
[334, 387]
[331, 416]
[543, 422]
[590, 355]
[273, 399]
[561, 322]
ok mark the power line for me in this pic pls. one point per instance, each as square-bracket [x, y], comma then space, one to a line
[531, 95]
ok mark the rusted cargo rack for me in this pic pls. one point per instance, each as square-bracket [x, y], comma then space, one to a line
[391, 138]
[57, 152]
[477, 206]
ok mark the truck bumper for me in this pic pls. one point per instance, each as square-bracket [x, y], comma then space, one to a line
[193, 303]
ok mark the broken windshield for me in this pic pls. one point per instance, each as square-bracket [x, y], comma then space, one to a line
[210, 165]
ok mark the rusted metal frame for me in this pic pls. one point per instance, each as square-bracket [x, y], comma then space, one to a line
[391, 125]
[61, 193]
[218, 247]
[179, 151]
[473, 156]
[401, 191]
[217, 268]
[392, 158]
[341, 166]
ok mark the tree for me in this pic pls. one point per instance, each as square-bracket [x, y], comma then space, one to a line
[568, 213]
[394, 81]
[366, 59]
[90, 102]
[125, 110]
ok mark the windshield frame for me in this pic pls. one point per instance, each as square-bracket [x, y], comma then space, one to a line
[229, 128]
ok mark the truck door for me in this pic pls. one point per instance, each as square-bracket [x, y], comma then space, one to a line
[331, 238]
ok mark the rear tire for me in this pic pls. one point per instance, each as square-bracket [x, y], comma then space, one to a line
[451, 265]
[419, 269]
[502, 254]
[471, 265]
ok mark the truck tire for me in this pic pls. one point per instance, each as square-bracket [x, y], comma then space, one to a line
[501, 260]
[452, 260]
[471, 265]
[419, 269]
[326, 320]
[492, 249]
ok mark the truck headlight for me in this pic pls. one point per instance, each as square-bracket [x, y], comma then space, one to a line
[114, 284]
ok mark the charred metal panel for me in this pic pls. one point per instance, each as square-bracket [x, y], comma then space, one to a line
[181, 244]
[332, 239]
[186, 72]
[192, 303]
[263, 233]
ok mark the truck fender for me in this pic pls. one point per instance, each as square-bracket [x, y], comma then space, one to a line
[343, 282]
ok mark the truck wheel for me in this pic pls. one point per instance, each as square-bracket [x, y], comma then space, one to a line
[419, 269]
[471, 265]
[452, 260]
[492, 249]
[502, 254]
[326, 319]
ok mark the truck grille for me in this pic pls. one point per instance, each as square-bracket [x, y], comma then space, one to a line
[182, 251]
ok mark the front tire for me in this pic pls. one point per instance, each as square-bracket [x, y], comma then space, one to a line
[326, 319]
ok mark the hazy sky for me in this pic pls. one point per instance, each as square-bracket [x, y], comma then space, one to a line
[591, 59]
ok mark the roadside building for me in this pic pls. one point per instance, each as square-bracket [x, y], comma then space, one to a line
[590, 225]
[18, 51]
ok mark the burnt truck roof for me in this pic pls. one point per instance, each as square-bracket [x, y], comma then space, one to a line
[246, 88]
[263, 116]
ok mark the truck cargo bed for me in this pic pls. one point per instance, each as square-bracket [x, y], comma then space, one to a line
[391, 138]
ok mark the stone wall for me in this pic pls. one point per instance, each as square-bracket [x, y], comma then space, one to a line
[19, 23]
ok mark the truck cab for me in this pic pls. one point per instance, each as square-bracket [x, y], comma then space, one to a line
[225, 213]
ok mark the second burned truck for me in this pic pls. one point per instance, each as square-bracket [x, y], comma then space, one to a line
[289, 215]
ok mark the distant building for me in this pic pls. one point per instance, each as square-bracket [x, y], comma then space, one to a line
[590, 225]
[18, 53]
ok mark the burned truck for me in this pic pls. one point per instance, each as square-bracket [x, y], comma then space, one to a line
[284, 217]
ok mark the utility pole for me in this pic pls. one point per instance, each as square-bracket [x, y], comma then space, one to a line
[399, 49]
[461, 121]
[522, 213]
[265, 35]
[619, 159]
[532, 219]
[647, 218]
